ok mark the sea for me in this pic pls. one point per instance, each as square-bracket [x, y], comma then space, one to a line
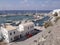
[21, 17]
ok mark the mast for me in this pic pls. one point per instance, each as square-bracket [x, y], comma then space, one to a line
[36, 11]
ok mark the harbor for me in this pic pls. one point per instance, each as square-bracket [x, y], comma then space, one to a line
[17, 30]
[29, 22]
[15, 21]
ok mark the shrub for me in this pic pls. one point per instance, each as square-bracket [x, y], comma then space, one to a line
[47, 24]
[56, 14]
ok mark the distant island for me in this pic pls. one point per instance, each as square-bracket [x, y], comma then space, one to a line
[16, 12]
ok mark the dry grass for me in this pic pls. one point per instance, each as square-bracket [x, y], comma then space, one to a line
[47, 24]
[57, 18]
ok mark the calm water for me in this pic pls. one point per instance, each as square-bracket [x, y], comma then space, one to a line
[14, 18]
[40, 22]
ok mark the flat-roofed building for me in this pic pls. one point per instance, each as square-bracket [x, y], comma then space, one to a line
[10, 32]
[26, 28]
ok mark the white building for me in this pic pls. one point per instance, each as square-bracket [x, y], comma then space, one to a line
[56, 11]
[26, 28]
[10, 33]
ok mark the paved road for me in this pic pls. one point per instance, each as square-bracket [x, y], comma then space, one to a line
[29, 41]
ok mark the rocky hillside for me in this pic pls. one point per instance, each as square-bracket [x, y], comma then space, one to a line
[53, 37]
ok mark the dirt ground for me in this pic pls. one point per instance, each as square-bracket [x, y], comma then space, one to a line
[3, 43]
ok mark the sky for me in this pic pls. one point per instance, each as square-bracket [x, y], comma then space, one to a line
[29, 4]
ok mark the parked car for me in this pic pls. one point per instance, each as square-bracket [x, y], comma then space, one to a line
[29, 35]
